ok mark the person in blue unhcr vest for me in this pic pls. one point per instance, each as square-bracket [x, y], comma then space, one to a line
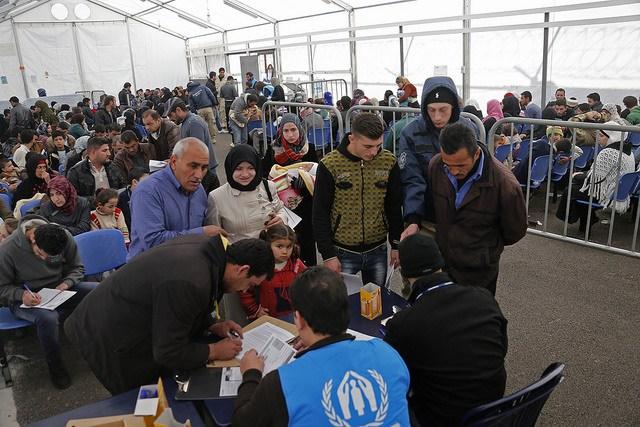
[335, 380]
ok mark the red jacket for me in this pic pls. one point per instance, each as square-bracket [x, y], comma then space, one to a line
[273, 294]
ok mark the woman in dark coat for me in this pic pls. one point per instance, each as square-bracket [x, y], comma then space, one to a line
[37, 178]
[291, 148]
[65, 208]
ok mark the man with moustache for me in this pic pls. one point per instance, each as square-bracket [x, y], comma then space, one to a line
[172, 201]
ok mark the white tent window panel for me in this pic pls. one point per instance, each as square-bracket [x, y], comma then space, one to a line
[159, 58]
[220, 14]
[376, 76]
[49, 58]
[59, 11]
[9, 65]
[106, 63]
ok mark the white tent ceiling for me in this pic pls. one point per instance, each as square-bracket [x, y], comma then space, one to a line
[191, 18]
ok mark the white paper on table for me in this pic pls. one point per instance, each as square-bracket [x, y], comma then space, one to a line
[292, 218]
[51, 298]
[147, 405]
[230, 381]
[359, 335]
[257, 337]
[275, 353]
[353, 283]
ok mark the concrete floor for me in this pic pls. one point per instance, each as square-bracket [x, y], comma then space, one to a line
[564, 303]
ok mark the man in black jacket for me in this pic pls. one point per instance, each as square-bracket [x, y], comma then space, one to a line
[95, 171]
[453, 338]
[148, 316]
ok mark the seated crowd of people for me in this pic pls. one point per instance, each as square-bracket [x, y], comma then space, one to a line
[147, 167]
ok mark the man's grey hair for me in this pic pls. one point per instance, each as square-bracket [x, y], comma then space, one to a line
[185, 143]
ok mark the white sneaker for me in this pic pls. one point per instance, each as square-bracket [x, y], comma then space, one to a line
[232, 145]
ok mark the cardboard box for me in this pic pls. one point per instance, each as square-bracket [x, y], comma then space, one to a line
[370, 301]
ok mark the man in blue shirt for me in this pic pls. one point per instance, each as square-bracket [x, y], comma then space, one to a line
[479, 207]
[172, 202]
[335, 380]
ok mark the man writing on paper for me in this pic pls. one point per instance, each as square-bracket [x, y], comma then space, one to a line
[41, 255]
[336, 380]
[147, 317]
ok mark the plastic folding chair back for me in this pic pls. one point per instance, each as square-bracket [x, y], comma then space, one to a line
[6, 199]
[8, 322]
[523, 151]
[628, 186]
[101, 250]
[559, 170]
[320, 137]
[254, 124]
[539, 170]
[502, 152]
[522, 408]
[24, 209]
[634, 139]
[587, 155]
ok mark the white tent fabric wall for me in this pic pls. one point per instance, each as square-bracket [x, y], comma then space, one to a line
[159, 58]
[99, 45]
[9, 65]
[49, 58]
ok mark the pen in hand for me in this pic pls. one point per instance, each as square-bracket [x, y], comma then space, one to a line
[36, 298]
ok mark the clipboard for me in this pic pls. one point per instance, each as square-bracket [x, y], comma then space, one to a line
[290, 327]
[204, 384]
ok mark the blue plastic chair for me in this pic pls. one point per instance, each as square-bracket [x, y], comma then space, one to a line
[502, 152]
[6, 199]
[8, 322]
[539, 170]
[24, 209]
[634, 139]
[523, 151]
[587, 154]
[101, 250]
[254, 124]
[520, 409]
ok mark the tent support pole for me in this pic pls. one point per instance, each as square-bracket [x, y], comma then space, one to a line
[19, 52]
[133, 67]
[76, 48]
[352, 50]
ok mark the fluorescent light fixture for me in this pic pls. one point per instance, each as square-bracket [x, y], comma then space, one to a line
[240, 8]
[193, 21]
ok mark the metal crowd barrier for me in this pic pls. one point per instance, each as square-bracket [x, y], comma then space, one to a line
[316, 88]
[597, 128]
[318, 137]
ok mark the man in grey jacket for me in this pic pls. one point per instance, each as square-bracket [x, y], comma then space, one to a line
[41, 255]
[238, 117]
[20, 117]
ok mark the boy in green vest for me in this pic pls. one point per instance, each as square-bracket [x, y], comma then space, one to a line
[357, 203]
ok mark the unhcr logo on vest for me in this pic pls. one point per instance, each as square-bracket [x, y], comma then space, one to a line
[360, 401]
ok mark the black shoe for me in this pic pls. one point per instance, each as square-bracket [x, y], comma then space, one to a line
[58, 373]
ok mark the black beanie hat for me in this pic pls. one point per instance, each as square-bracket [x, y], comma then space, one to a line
[238, 154]
[442, 94]
[419, 256]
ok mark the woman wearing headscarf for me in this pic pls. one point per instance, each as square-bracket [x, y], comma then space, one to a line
[494, 113]
[510, 106]
[46, 113]
[37, 178]
[247, 203]
[292, 167]
[601, 180]
[65, 207]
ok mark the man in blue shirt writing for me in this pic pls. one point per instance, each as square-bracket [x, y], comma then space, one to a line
[172, 201]
[479, 207]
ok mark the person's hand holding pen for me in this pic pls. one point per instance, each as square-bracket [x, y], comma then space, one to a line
[225, 329]
[251, 360]
[29, 298]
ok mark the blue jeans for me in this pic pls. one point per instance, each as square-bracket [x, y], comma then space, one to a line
[239, 134]
[47, 321]
[373, 264]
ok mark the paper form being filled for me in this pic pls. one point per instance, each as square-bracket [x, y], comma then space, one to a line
[51, 298]
[275, 353]
[230, 381]
[257, 337]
